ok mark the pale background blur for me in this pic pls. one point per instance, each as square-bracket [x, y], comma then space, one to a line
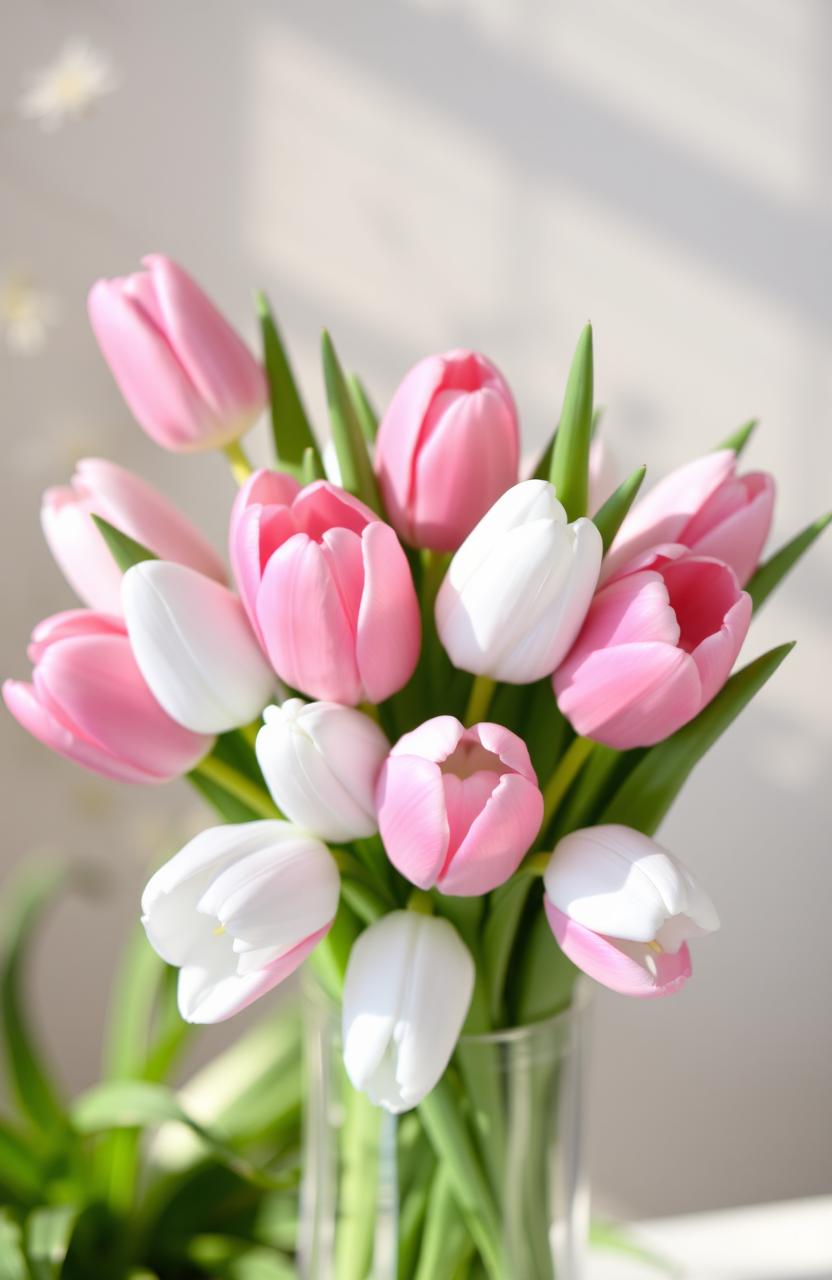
[487, 173]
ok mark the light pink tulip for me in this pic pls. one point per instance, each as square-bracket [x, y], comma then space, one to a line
[623, 909]
[656, 646]
[131, 505]
[187, 376]
[447, 448]
[89, 703]
[617, 964]
[707, 508]
[458, 808]
[327, 587]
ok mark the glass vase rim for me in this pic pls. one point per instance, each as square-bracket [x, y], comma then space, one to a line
[313, 990]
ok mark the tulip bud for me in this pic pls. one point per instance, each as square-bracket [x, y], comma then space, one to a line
[130, 504]
[706, 507]
[194, 647]
[622, 909]
[237, 910]
[327, 587]
[458, 808]
[447, 448]
[518, 589]
[89, 703]
[188, 378]
[407, 989]
[320, 761]
[656, 646]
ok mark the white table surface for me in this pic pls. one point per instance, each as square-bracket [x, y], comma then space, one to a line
[791, 1240]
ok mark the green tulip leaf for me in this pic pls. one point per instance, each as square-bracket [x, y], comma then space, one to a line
[126, 551]
[48, 1234]
[312, 468]
[12, 1258]
[25, 902]
[770, 574]
[141, 1104]
[610, 517]
[21, 1172]
[569, 471]
[644, 798]
[739, 438]
[291, 428]
[357, 475]
[366, 414]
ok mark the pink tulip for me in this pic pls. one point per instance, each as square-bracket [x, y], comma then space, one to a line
[133, 506]
[458, 808]
[327, 587]
[89, 703]
[623, 909]
[707, 508]
[447, 448]
[656, 646]
[187, 376]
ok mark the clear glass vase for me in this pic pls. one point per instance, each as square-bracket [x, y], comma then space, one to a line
[483, 1181]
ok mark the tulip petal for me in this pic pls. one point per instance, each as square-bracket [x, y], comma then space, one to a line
[478, 427]
[435, 739]
[194, 647]
[151, 379]
[507, 746]
[410, 803]
[631, 968]
[629, 696]
[24, 704]
[662, 515]
[389, 625]
[618, 882]
[210, 994]
[93, 685]
[717, 653]
[737, 536]
[214, 357]
[398, 437]
[498, 838]
[306, 629]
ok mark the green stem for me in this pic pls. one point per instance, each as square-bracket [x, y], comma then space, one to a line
[236, 784]
[241, 467]
[357, 1205]
[565, 774]
[452, 1142]
[250, 732]
[445, 1241]
[482, 691]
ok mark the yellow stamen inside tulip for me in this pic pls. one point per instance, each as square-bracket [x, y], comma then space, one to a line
[655, 946]
[219, 931]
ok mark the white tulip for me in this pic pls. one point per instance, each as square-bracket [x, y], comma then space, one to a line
[621, 884]
[237, 910]
[407, 989]
[517, 590]
[194, 646]
[321, 761]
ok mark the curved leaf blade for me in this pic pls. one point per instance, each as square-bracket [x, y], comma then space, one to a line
[291, 428]
[609, 518]
[32, 1084]
[648, 792]
[357, 475]
[770, 574]
[48, 1234]
[569, 472]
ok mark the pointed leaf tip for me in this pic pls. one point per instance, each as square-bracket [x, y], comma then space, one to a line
[126, 551]
[569, 471]
[739, 438]
[609, 517]
[357, 475]
[291, 428]
[771, 573]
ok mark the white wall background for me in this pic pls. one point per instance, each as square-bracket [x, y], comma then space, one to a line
[487, 173]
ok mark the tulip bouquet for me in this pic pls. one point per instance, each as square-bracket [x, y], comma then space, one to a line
[441, 711]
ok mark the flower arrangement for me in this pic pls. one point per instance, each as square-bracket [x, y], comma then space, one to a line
[441, 710]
